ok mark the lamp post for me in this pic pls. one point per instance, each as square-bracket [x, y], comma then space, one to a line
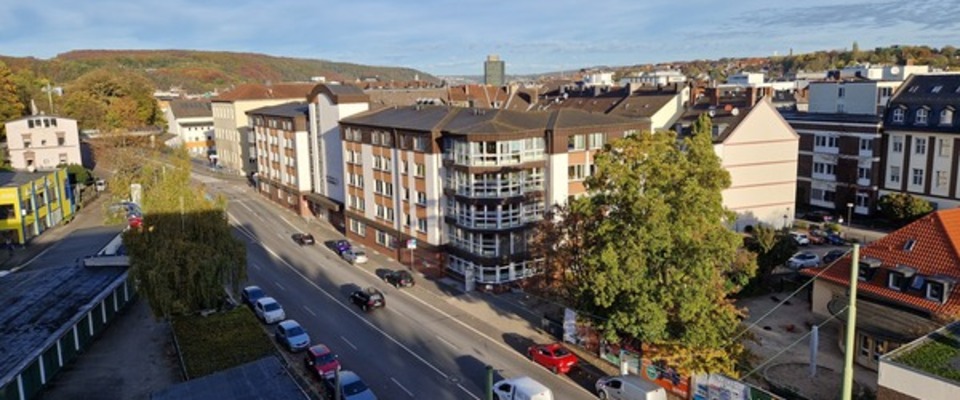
[786, 215]
[849, 215]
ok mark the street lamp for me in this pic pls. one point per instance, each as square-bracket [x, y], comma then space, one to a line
[849, 214]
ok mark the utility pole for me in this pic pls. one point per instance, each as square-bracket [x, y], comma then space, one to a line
[489, 382]
[848, 348]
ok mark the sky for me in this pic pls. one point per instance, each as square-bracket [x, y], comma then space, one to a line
[446, 37]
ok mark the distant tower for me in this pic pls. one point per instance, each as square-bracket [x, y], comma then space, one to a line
[494, 71]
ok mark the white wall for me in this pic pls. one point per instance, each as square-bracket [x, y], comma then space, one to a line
[858, 98]
[43, 142]
[329, 179]
[301, 151]
[917, 384]
[556, 180]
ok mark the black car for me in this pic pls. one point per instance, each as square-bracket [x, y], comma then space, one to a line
[368, 299]
[818, 216]
[833, 255]
[303, 239]
[251, 294]
[399, 278]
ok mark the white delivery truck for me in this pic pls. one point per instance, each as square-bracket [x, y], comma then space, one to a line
[522, 388]
[629, 387]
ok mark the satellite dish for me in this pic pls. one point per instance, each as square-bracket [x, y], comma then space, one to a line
[735, 111]
[894, 69]
[712, 113]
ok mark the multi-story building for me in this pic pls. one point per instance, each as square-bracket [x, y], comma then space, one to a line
[234, 140]
[494, 71]
[283, 154]
[43, 142]
[910, 373]
[905, 288]
[468, 183]
[658, 77]
[922, 140]
[329, 104]
[192, 122]
[32, 202]
[658, 107]
[840, 145]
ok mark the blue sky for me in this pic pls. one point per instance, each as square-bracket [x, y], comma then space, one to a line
[446, 37]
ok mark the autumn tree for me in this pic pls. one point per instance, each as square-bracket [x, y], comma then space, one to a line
[903, 208]
[184, 255]
[112, 100]
[649, 252]
[10, 105]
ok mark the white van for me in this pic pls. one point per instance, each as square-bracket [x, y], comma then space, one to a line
[522, 388]
[629, 387]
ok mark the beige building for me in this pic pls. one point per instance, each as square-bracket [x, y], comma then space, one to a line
[43, 142]
[236, 150]
[192, 122]
[283, 154]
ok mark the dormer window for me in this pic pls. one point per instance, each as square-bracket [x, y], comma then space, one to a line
[946, 116]
[909, 245]
[938, 288]
[868, 268]
[899, 277]
[913, 89]
[898, 115]
[922, 115]
[936, 89]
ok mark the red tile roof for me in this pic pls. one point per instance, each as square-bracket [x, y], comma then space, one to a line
[935, 253]
[256, 91]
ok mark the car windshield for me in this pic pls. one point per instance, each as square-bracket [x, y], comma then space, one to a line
[271, 306]
[255, 293]
[805, 256]
[325, 358]
[295, 331]
[354, 388]
[359, 253]
[404, 275]
[561, 352]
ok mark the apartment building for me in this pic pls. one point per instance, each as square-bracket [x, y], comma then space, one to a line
[840, 145]
[43, 142]
[236, 150]
[466, 186]
[328, 104]
[657, 106]
[283, 154]
[192, 122]
[922, 140]
[32, 202]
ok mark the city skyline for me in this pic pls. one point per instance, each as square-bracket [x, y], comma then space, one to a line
[442, 38]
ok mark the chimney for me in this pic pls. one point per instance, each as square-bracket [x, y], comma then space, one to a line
[714, 95]
[752, 96]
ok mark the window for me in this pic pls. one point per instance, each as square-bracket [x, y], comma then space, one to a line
[935, 291]
[825, 141]
[898, 144]
[863, 199]
[406, 194]
[895, 280]
[898, 115]
[946, 145]
[823, 168]
[419, 143]
[422, 225]
[922, 116]
[920, 146]
[356, 202]
[596, 141]
[936, 89]
[576, 142]
[421, 198]
[841, 91]
[863, 173]
[865, 345]
[421, 170]
[840, 109]
[384, 212]
[942, 178]
[575, 172]
[355, 180]
[917, 176]
[385, 239]
[26, 143]
[358, 227]
[913, 89]
[383, 188]
[946, 116]
[866, 144]
[61, 141]
[895, 174]
[63, 158]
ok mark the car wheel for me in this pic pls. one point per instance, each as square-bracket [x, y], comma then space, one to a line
[530, 355]
[554, 369]
[364, 307]
[603, 395]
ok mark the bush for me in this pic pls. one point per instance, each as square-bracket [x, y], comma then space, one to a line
[832, 226]
[220, 341]
[803, 225]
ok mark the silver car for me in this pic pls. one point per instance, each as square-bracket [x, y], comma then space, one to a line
[803, 259]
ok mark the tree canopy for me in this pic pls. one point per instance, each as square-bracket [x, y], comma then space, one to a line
[649, 253]
[184, 255]
[112, 100]
[10, 105]
[903, 208]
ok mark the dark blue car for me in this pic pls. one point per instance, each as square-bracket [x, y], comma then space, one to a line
[341, 246]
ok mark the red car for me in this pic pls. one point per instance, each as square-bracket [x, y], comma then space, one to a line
[322, 361]
[553, 356]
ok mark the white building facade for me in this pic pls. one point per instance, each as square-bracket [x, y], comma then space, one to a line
[43, 142]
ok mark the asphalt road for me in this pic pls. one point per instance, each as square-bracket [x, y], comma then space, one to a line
[416, 347]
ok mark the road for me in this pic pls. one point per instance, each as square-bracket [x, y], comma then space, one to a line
[418, 346]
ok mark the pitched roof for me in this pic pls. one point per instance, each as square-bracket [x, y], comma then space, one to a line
[935, 253]
[191, 108]
[256, 91]
[265, 378]
[291, 110]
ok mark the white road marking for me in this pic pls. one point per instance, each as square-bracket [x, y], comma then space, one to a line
[279, 285]
[447, 342]
[309, 311]
[401, 386]
[467, 391]
[255, 266]
[350, 344]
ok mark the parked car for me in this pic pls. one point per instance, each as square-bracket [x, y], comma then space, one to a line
[629, 387]
[835, 239]
[303, 239]
[321, 360]
[521, 388]
[351, 387]
[553, 356]
[368, 299]
[816, 236]
[803, 259]
[818, 216]
[341, 245]
[250, 295]
[291, 335]
[399, 278]
[268, 310]
[833, 255]
[800, 238]
[354, 256]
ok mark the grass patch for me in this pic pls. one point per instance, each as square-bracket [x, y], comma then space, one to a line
[934, 356]
[220, 341]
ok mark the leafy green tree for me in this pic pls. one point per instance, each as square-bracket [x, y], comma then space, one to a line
[184, 255]
[773, 247]
[112, 100]
[79, 174]
[10, 105]
[903, 208]
[649, 253]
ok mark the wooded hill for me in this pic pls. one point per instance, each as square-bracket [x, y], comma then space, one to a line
[202, 71]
